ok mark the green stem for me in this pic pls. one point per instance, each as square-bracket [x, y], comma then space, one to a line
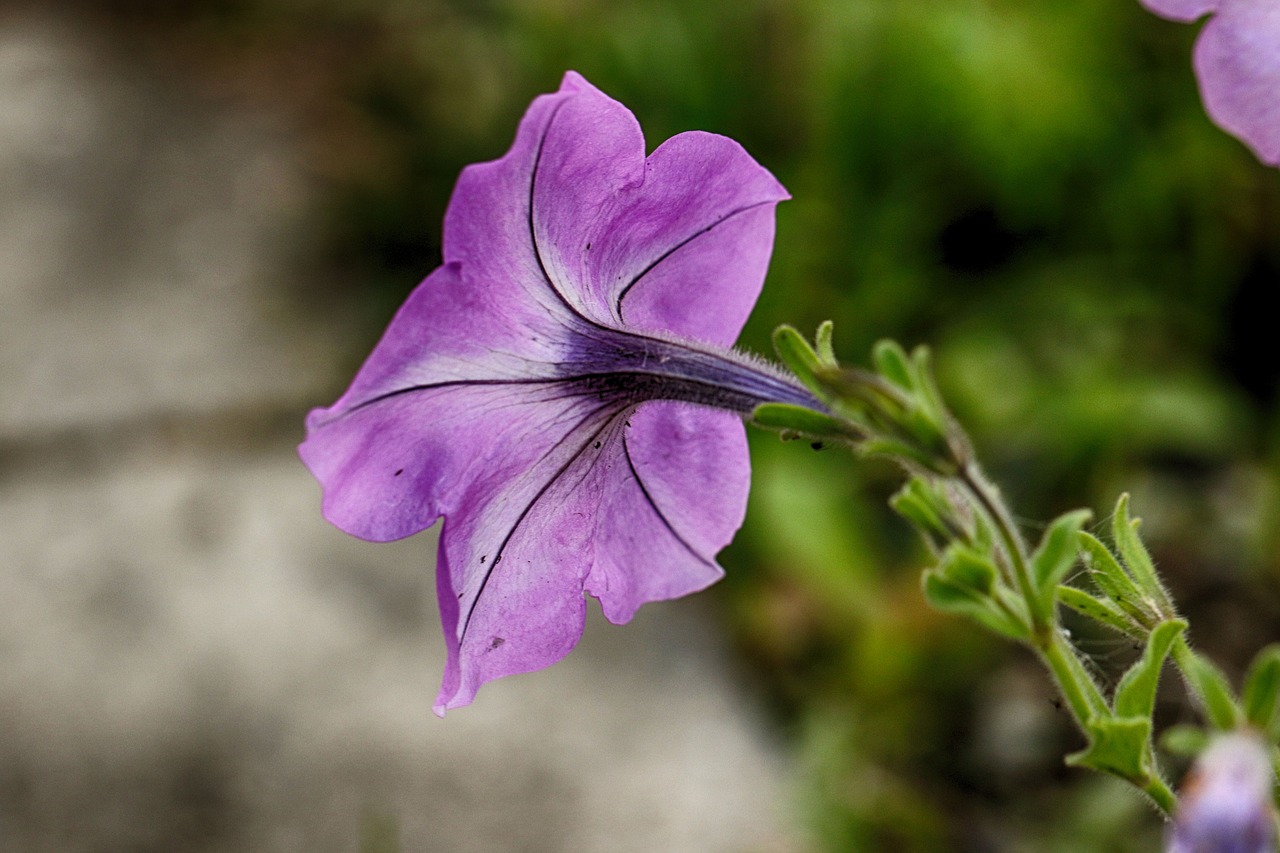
[976, 483]
[1161, 794]
[1078, 687]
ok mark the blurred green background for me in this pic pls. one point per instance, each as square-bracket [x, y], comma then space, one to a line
[1031, 188]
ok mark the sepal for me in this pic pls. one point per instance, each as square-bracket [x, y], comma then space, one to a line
[1261, 693]
[1210, 686]
[794, 421]
[1057, 553]
[1099, 610]
[1117, 745]
[967, 582]
[1136, 692]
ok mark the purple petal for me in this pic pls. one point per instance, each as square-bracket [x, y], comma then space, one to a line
[683, 237]
[1181, 10]
[513, 557]
[391, 469]
[676, 243]
[490, 226]
[691, 249]
[667, 481]
[1226, 804]
[683, 501]
[1237, 60]
[446, 387]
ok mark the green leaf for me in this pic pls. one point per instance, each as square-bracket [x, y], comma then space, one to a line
[796, 354]
[1137, 559]
[1261, 693]
[1114, 582]
[926, 390]
[952, 597]
[826, 353]
[1209, 685]
[891, 362]
[921, 504]
[1136, 692]
[899, 451]
[785, 417]
[1100, 611]
[1117, 745]
[1184, 740]
[1056, 554]
[966, 567]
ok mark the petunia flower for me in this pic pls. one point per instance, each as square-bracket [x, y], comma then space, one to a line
[562, 389]
[1237, 61]
[1226, 800]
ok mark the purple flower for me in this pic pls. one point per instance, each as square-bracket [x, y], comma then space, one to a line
[1237, 60]
[1226, 800]
[561, 390]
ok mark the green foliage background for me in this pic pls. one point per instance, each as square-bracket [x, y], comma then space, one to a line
[1032, 188]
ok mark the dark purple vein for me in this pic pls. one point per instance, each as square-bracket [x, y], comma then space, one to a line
[542, 490]
[680, 245]
[626, 451]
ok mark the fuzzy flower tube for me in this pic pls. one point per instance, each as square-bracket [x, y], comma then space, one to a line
[562, 390]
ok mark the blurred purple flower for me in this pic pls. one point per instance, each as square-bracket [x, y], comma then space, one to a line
[1237, 60]
[561, 389]
[1226, 801]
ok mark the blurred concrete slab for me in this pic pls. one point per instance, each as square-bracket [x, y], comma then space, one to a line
[143, 230]
[190, 658]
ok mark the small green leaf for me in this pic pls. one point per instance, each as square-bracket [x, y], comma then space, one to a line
[1114, 582]
[1184, 740]
[891, 362]
[796, 354]
[1056, 554]
[1117, 745]
[921, 504]
[1136, 692]
[1261, 693]
[789, 418]
[1100, 611]
[926, 389]
[951, 597]
[1137, 559]
[1209, 685]
[966, 567]
[898, 451]
[826, 353]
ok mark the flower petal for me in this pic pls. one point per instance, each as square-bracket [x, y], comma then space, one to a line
[1237, 61]
[391, 469]
[688, 251]
[513, 557]
[666, 480]
[491, 224]
[391, 448]
[1181, 10]
[682, 496]
[682, 238]
[448, 392]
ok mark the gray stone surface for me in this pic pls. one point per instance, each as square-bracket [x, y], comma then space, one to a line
[190, 658]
